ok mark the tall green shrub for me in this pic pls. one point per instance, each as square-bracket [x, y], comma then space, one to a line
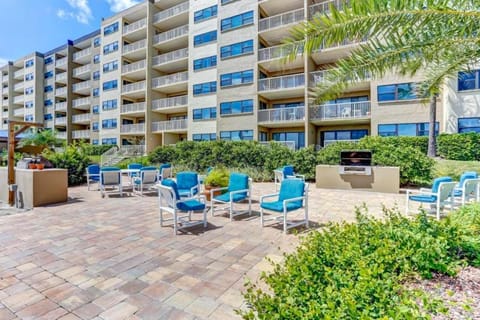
[74, 160]
[463, 146]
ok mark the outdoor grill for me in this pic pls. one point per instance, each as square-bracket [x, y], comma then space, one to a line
[356, 162]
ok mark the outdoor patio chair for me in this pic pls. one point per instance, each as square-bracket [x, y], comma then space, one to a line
[188, 184]
[110, 177]
[293, 196]
[147, 177]
[180, 209]
[441, 195]
[239, 189]
[467, 188]
[165, 171]
[134, 166]
[287, 172]
[93, 175]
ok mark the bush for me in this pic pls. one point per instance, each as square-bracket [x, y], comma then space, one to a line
[357, 271]
[463, 146]
[144, 161]
[305, 161]
[74, 160]
[166, 154]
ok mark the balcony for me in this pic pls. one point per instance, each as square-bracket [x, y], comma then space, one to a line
[4, 102]
[83, 118]
[170, 126]
[5, 114]
[340, 113]
[171, 83]
[171, 61]
[61, 106]
[134, 108]
[282, 87]
[172, 39]
[61, 135]
[272, 58]
[135, 70]
[136, 30]
[18, 75]
[81, 103]
[61, 121]
[274, 29]
[19, 99]
[19, 87]
[61, 92]
[61, 77]
[135, 89]
[137, 128]
[173, 16]
[83, 87]
[282, 117]
[274, 7]
[82, 56]
[82, 72]
[324, 7]
[19, 112]
[171, 105]
[80, 134]
[135, 50]
[61, 63]
[317, 77]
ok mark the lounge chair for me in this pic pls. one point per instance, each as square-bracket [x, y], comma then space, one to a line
[188, 184]
[441, 195]
[239, 189]
[147, 177]
[170, 202]
[110, 177]
[287, 172]
[293, 196]
[93, 175]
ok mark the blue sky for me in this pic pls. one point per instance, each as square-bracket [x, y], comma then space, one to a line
[42, 25]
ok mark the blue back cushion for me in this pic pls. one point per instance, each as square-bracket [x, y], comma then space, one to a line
[170, 183]
[149, 168]
[467, 175]
[288, 171]
[292, 188]
[165, 165]
[93, 169]
[134, 166]
[187, 180]
[437, 181]
[238, 181]
[110, 169]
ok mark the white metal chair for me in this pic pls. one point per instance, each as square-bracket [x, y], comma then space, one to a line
[239, 189]
[110, 177]
[165, 171]
[287, 172]
[468, 190]
[147, 177]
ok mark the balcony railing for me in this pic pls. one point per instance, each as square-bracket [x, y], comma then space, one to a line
[321, 76]
[81, 117]
[61, 106]
[134, 107]
[131, 87]
[170, 12]
[140, 44]
[19, 73]
[5, 114]
[324, 7]
[81, 54]
[61, 62]
[81, 86]
[80, 134]
[137, 25]
[169, 102]
[61, 91]
[80, 102]
[19, 112]
[133, 128]
[276, 52]
[284, 82]
[80, 70]
[19, 86]
[61, 120]
[61, 76]
[170, 34]
[350, 110]
[170, 125]
[327, 142]
[281, 20]
[132, 67]
[170, 79]
[19, 99]
[291, 114]
[61, 135]
[170, 56]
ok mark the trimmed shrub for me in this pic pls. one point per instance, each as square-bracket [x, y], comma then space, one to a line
[331, 153]
[74, 159]
[462, 146]
[305, 161]
[163, 155]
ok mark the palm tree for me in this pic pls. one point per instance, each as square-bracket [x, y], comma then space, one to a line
[434, 38]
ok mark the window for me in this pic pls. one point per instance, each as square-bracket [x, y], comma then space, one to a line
[46, 103]
[96, 75]
[94, 126]
[236, 107]
[298, 138]
[48, 88]
[109, 141]
[96, 58]
[110, 85]
[29, 76]
[399, 91]
[204, 137]
[468, 80]
[237, 21]
[47, 75]
[237, 135]
[468, 125]
[48, 60]
[203, 63]
[111, 66]
[96, 109]
[227, 1]
[109, 124]
[29, 90]
[29, 104]
[205, 38]
[205, 88]
[236, 78]
[205, 14]
[205, 113]
[111, 47]
[109, 105]
[47, 117]
[97, 42]
[405, 129]
[236, 49]
[333, 136]
[110, 29]
[29, 117]
[96, 92]
[288, 105]
[95, 141]
[29, 63]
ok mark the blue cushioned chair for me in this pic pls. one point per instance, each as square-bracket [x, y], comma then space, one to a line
[147, 177]
[110, 177]
[93, 175]
[239, 189]
[188, 184]
[287, 172]
[438, 197]
[165, 171]
[293, 195]
[468, 187]
[170, 202]
[134, 166]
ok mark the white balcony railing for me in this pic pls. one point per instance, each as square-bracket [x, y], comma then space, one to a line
[131, 87]
[5, 114]
[19, 86]
[19, 73]
[81, 117]
[321, 76]
[81, 86]
[19, 99]
[133, 128]
[132, 67]
[170, 12]
[134, 107]
[170, 125]
[137, 25]
[281, 20]
[61, 91]
[324, 7]
[170, 56]
[61, 62]
[170, 34]
[140, 44]
[81, 54]
[61, 106]
[61, 135]
[350, 110]
[80, 134]
[19, 112]
[61, 76]
[61, 120]
[170, 79]
[279, 83]
[276, 52]
[81, 102]
[290, 114]
[81, 70]
[170, 102]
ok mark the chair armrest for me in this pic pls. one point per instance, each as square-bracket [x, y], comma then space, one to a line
[268, 196]
[293, 199]
[239, 191]
[297, 176]
[218, 189]
[425, 190]
[410, 191]
[192, 189]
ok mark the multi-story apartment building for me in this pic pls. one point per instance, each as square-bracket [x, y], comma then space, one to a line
[170, 70]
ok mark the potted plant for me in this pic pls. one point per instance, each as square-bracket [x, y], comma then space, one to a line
[217, 178]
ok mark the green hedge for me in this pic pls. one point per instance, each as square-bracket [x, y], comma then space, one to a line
[74, 159]
[358, 270]
[463, 146]
[96, 150]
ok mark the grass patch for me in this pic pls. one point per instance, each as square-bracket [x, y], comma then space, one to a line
[454, 168]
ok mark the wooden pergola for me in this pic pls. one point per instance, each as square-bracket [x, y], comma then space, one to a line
[11, 152]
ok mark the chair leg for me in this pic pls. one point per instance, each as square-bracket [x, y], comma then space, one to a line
[231, 210]
[175, 226]
[249, 204]
[406, 206]
[205, 217]
[285, 221]
[261, 216]
[161, 218]
[306, 216]
[438, 209]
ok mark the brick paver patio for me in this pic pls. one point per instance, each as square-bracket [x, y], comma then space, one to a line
[95, 258]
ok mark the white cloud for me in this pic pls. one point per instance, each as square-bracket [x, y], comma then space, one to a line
[119, 5]
[80, 11]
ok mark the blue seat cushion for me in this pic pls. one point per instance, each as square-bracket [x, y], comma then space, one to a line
[278, 206]
[424, 198]
[190, 205]
[236, 197]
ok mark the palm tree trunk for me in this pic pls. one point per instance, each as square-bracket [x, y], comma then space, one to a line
[432, 140]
